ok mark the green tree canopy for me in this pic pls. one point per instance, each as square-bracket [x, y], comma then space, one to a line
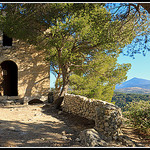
[100, 78]
[72, 34]
[72, 44]
[26, 21]
[139, 13]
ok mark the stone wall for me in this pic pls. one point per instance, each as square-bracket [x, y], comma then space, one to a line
[33, 71]
[107, 116]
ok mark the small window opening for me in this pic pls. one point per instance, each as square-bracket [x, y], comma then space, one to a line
[7, 41]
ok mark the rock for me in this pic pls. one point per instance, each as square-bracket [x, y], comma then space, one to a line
[43, 139]
[115, 138]
[13, 129]
[59, 112]
[43, 98]
[64, 137]
[23, 133]
[90, 137]
[77, 140]
[106, 124]
[69, 138]
[63, 132]
[102, 143]
[109, 138]
[127, 141]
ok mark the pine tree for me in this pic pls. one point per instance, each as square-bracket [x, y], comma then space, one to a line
[72, 36]
[74, 43]
[100, 79]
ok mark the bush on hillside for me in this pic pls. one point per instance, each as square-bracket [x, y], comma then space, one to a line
[138, 114]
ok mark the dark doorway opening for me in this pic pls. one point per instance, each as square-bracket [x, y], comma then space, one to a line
[10, 78]
[7, 41]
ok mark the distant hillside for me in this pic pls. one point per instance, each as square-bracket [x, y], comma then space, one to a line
[135, 82]
[122, 99]
[135, 90]
[134, 85]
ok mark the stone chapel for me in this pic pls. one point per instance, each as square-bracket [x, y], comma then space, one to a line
[23, 72]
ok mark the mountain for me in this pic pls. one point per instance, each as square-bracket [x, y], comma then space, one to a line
[135, 82]
[134, 85]
[133, 90]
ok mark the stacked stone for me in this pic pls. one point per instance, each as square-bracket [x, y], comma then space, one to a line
[33, 71]
[79, 105]
[108, 120]
[11, 102]
[107, 116]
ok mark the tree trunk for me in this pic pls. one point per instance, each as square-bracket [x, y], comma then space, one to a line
[57, 83]
[65, 74]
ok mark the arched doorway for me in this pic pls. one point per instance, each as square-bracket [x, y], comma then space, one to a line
[10, 78]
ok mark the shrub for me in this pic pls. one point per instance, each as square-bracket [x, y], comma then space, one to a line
[138, 114]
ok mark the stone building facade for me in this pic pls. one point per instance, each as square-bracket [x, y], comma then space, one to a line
[24, 73]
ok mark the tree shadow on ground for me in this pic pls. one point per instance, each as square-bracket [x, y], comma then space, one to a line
[74, 121]
[47, 133]
[78, 123]
[15, 133]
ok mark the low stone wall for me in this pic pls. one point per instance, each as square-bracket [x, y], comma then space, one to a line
[26, 99]
[107, 116]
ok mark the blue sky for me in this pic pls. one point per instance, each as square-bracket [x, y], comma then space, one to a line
[140, 65]
[52, 80]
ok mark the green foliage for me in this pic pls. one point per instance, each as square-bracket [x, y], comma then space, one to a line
[122, 99]
[84, 43]
[27, 21]
[133, 12]
[79, 39]
[135, 107]
[139, 115]
[99, 80]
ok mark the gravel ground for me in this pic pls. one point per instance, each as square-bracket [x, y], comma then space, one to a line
[39, 126]
[43, 126]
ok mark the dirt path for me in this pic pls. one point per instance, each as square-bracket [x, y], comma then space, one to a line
[42, 126]
[141, 140]
[39, 126]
